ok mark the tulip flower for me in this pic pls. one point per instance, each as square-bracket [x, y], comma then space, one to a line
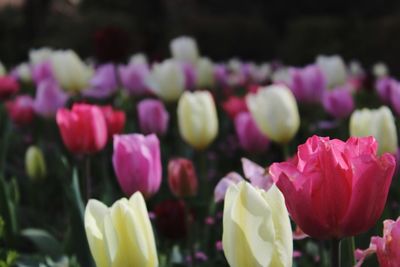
[42, 71]
[182, 179]
[197, 119]
[190, 73]
[103, 83]
[137, 163]
[275, 112]
[8, 87]
[334, 70]
[23, 73]
[49, 98]
[256, 227]
[334, 189]
[83, 128]
[35, 165]
[70, 71]
[153, 117]
[184, 49]
[167, 80]
[223, 185]
[40, 55]
[386, 247]
[170, 219]
[205, 73]
[380, 70]
[378, 123]
[338, 102]
[133, 78]
[20, 109]
[234, 105]
[384, 87]
[120, 235]
[115, 120]
[307, 84]
[250, 137]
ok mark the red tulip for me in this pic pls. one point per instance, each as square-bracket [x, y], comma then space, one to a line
[386, 247]
[182, 177]
[234, 105]
[333, 188]
[20, 109]
[83, 129]
[115, 120]
[8, 86]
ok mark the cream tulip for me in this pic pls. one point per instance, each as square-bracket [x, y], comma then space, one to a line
[167, 80]
[37, 56]
[2, 69]
[184, 49]
[70, 71]
[197, 118]
[256, 227]
[23, 72]
[205, 73]
[378, 123]
[120, 236]
[275, 111]
[334, 70]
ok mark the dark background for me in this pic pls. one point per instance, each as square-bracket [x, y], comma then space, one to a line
[294, 31]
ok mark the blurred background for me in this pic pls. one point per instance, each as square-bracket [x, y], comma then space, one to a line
[293, 31]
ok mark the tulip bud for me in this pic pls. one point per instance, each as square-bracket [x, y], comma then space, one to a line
[197, 119]
[256, 227]
[37, 56]
[103, 83]
[133, 77]
[23, 72]
[167, 80]
[137, 163]
[275, 112]
[378, 123]
[153, 117]
[182, 177]
[334, 70]
[234, 105]
[338, 102]
[184, 49]
[20, 109]
[35, 164]
[380, 70]
[307, 84]
[71, 73]
[42, 72]
[115, 120]
[83, 128]
[121, 235]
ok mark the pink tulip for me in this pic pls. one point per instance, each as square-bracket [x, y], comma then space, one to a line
[338, 102]
[8, 87]
[308, 84]
[83, 129]
[182, 178]
[137, 163]
[335, 189]
[250, 137]
[386, 247]
[20, 109]
[153, 117]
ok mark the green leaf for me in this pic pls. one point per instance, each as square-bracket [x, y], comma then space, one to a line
[44, 242]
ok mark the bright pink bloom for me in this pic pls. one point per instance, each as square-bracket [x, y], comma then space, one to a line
[115, 120]
[333, 188]
[8, 86]
[250, 137]
[386, 247]
[20, 109]
[234, 105]
[182, 178]
[153, 117]
[83, 128]
[137, 163]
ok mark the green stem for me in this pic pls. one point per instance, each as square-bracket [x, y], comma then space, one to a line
[286, 151]
[189, 239]
[88, 178]
[335, 253]
[4, 147]
[351, 248]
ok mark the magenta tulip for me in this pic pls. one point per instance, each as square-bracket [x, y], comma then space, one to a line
[137, 163]
[308, 84]
[250, 137]
[153, 117]
[335, 189]
[338, 102]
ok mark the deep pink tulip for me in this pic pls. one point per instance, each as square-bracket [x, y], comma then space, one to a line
[335, 189]
[83, 128]
[386, 247]
[250, 137]
[153, 117]
[8, 86]
[234, 105]
[182, 178]
[308, 84]
[338, 102]
[137, 163]
[20, 109]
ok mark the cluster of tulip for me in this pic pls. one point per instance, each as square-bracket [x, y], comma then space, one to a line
[98, 134]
